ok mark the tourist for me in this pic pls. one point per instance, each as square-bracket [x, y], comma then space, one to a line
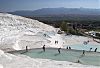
[69, 47]
[44, 48]
[95, 50]
[55, 42]
[59, 50]
[26, 48]
[83, 52]
[90, 49]
[45, 35]
[78, 61]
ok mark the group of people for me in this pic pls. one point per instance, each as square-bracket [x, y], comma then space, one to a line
[44, 49]
[68, 47]
[56, 42]
[90, 50]
[60, 49]
[94, 50]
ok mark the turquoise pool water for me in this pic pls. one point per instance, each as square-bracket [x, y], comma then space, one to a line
[90, 58]
[86, 47]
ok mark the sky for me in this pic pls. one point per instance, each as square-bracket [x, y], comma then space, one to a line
[14, 5]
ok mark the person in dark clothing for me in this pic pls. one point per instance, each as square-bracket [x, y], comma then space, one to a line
[83, 52]
[78, 61]
[55, 42]
[44, 48]
[69, 47]
[95, 50]
[90, 49]
[59, 50]
[26, 48]
[45, 35]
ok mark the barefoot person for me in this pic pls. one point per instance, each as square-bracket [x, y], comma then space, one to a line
[26, 48]
[43, 48]
[83, 52]
[95, 50]
[90, 49]
[59, 50]
[69, 47]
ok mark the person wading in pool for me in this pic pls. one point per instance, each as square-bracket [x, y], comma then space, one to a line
[69, 47]
[95, 50]
[59, 50]
[26, 48]
[83, 52]
[90, 49]
[55, 42]
[43, 48]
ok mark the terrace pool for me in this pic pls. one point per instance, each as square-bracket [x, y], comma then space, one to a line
[90, 58]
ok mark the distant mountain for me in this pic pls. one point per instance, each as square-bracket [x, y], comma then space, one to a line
[22, 13]
[58, 11]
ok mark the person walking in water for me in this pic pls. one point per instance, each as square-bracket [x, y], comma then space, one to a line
[83, 52]
[44, 48]
[69, 47]
[59, 50]
[90, 49]
[45, 35]
[95, 50]
[26, 48]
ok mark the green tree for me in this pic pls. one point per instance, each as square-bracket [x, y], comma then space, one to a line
[64, 26]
